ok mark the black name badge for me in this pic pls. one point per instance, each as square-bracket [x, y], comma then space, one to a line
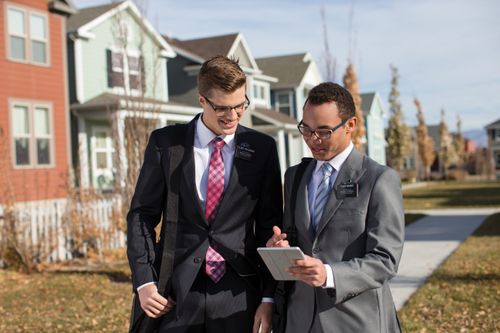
[244, 151]
[348, 190]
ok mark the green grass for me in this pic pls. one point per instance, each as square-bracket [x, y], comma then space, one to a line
[453, 195]
[463, 295]
[410, 218]
[71, 301]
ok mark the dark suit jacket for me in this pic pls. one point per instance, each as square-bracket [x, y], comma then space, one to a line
[361, 238]
[251, 206]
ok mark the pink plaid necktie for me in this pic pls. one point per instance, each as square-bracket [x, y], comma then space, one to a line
[215, 265]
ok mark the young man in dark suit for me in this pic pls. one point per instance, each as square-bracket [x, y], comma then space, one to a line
[349, 221]
[230, 198]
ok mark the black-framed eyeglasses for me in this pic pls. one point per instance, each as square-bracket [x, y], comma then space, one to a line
[219, 110]
[320, 133]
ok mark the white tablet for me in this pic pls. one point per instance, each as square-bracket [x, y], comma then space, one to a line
[278, 259]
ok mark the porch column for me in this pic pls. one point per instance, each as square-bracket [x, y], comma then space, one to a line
[292, 150]
[83, 153]
[122, 155]
[282, 152]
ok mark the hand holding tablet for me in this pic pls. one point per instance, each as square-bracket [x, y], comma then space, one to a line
[278, 259]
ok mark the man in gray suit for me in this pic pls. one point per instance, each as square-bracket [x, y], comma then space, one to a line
[349, 221]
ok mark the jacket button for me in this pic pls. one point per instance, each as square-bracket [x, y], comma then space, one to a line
[197, 260]
[211, 233]
[316, 250]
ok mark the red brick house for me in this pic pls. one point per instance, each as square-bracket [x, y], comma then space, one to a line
[34, 115]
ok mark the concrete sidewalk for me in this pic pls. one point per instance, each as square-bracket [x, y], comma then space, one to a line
[428, 242]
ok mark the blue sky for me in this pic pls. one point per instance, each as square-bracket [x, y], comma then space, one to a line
[447, 51]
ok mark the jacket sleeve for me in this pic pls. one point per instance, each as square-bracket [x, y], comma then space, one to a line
[144, 215]
[269, 212]
[384, 242]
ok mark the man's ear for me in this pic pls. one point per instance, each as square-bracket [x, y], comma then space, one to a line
[201, 100]
[350, 125]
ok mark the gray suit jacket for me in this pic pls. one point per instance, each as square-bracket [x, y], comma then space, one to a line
[361, 238]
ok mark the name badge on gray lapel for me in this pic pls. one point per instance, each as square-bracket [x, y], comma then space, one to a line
[348, 189]
[244, 151]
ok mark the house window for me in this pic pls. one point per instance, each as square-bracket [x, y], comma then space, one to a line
[497, 159]
[38, 33]
[115, 69]
[28, 35]
[136, 72]
[32, 134]
[103, 155]
[259, 93]
[284, 103]
[126, 71]
[496, 134]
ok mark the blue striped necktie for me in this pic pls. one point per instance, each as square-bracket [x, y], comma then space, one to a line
[322, 193]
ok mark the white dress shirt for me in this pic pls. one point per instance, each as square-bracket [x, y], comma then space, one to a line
[312, 186]
[202, 150]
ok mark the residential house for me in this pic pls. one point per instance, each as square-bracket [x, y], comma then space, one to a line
[118, 74]
[297, 74]
[373, 114]
[183, 71]
[34, 115]
[493, 131]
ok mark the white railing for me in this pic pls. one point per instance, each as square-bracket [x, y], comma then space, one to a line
[44, 224]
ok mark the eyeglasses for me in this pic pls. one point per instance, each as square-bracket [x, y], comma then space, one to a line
[220, 110]
[320, 133]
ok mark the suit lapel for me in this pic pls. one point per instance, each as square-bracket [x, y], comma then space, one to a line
[302, 215]
[352, 169]
[188, 168]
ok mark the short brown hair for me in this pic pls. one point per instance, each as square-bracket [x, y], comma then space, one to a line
[222, 73]
[327, 92]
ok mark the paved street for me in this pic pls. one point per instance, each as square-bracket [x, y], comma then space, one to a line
[429, 241]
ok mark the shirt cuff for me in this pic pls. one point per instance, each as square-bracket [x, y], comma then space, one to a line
[145, 284]
[267, 300]
[329, 277]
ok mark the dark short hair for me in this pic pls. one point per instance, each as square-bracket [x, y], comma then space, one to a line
[327, 92]
[221, 73]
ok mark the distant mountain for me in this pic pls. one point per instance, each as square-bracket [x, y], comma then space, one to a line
[477, 135]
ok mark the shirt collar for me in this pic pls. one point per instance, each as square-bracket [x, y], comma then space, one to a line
[205, 135]
[338, 160]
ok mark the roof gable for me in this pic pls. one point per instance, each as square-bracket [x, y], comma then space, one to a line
[64, 7]
[289, 69]
[87, 15]
[367, 100]
[494, 124]
[206, 47]
[86, 19]
[201, 49]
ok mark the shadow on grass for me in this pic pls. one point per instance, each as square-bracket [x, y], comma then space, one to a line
[490, 227]
[112, 275]
[457, 197]
[410, 218]
[466, 278]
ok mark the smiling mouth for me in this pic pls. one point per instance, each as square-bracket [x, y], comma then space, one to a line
[228, 123]
[318, 150]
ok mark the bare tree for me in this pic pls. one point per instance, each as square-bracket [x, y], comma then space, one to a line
[398, 136]
[459, 143]
[132, 115]
[138, 112]
[425, 143]
[22, 246]
[329, 59]
[447, 154]
[351, 83]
